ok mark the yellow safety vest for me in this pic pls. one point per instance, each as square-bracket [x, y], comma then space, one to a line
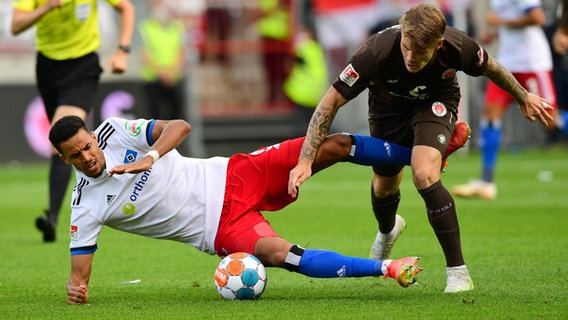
[274, 22]
[163, 45]
[308, 80]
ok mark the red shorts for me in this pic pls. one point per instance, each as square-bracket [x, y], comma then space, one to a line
[539, 83]
[256, 182]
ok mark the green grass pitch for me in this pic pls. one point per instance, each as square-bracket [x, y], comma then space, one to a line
[515, 248]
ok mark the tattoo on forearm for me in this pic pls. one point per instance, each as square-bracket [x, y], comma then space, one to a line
[317, 131]
[502, 77]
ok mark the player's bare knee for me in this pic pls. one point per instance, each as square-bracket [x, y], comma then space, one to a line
[424, 177]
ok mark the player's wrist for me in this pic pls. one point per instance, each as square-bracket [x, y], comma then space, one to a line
[124, 48]
[153, 154]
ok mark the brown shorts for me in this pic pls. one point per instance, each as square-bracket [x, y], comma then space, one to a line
[427, 123]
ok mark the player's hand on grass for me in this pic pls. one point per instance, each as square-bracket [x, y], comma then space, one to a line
[77, 294]
[298, 175]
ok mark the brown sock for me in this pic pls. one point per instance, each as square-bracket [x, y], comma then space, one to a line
[385, 210]
[441, 210]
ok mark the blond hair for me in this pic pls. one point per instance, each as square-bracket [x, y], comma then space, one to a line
[424, 24]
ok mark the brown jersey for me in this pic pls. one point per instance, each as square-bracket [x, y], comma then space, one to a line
[379, 66]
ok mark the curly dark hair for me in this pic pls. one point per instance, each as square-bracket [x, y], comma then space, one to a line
[64, 129]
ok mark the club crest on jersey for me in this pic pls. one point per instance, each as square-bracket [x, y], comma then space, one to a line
[449, 73]
[349, 75]
[74, 232]
[439, 109]
[442, 138]
[130, 156]
[134, 127]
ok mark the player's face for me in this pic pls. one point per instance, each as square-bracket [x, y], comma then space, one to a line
[415, 60]
[82, 152]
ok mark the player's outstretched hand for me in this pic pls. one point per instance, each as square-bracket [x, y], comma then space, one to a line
[536, 108]
[298, 175]
[141, 165]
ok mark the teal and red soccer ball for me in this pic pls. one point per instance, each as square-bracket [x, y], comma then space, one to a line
[240, 276]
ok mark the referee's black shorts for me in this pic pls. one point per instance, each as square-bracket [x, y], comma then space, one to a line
[71, 82]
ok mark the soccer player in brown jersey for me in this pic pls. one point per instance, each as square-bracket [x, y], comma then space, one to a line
[410, 71]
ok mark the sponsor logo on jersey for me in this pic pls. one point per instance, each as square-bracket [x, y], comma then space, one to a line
[74, 232]
[442, 138]
[349, 75]
[417, 93]
[130, 156]
[139, 186]
[448, 74]
[129, 208]
[134, 127]
[393, 81]
[439, 109]
[480, 57]
[110, 198]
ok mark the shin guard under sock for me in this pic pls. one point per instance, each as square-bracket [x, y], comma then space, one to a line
[385, 210]
[442, 216]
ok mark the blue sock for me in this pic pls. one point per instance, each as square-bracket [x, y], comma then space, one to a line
[564, 115]
[490, 142]
[329, 264]
[370, 151]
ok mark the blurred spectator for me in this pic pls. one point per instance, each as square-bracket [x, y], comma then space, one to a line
[307, 80]
[163, 57]
[273, 27]
[523, 49]
[217, 27]
[560, 39]
[555, 32]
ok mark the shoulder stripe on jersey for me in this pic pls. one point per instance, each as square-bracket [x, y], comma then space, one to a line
[79, 188]
[84, 250]
[104, 134]
[149, 129]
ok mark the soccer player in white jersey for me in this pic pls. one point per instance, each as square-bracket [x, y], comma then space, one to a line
[131, 178]
[524, 50]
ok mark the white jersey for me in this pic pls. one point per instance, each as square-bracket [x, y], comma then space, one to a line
[523, 49]
[178, 199]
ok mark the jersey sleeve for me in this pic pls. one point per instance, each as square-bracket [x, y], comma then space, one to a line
[357, 75]
[84, 231]
[136, 133]
[474, 57]
[24, 5]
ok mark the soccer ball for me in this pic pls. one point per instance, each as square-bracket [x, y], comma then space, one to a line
[240, 276]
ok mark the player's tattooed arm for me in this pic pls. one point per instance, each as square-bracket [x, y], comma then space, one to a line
[502, 77]
[318, 129]
[531, 105]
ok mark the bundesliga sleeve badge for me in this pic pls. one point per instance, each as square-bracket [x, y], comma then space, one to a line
[349, 75]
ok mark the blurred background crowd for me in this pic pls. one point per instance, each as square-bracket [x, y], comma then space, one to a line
[242, 72]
